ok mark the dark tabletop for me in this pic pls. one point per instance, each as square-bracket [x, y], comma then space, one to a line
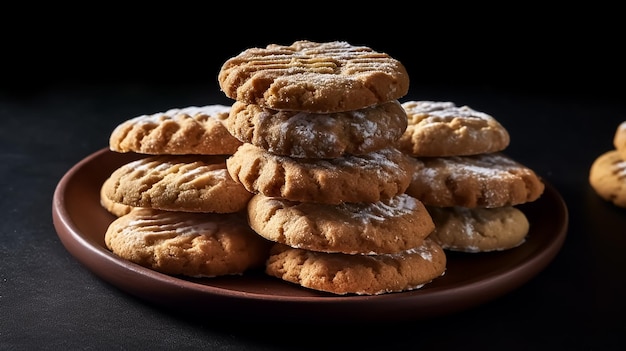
[560, 118]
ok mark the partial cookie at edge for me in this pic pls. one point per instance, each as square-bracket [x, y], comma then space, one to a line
[607, 177]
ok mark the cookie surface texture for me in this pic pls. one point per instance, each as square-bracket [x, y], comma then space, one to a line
[478, 229]
[607, 177]
[367, 178]
[190, 244]
[444, 129]
[314, 77]
[484, 180]
[398, 224]
[190, 130]
[619, 140]
[358, 274]
[115, 208]
[312, 135]
[190, 183]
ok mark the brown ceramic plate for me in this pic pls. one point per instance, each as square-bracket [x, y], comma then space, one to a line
[470, 279]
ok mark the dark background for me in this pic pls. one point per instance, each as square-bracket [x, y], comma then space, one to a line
[553, 77]
[561, 51]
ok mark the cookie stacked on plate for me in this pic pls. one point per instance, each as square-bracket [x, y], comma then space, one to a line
[179, 211]
[318, 123]
[468, 185]
[607, 175]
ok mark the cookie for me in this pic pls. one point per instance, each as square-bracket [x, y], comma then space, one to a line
[313, 135]
[438, 129]
[607, 177]
[115, 208]
[313, 77]
[484, 180]
[190, 183]
[185, 243]
[358, 274]
[372, 177]
[619, 139]
[398, 224]
[478, 229]
[190, 130]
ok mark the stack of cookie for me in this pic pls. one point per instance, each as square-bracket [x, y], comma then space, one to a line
[318, 123]
[607, 175]
[468, 185]
[178, 210]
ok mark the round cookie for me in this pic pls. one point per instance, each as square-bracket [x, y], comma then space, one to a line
[483, 180]
[312, 135]
[438, 129]
[314, 77]
[191, 130]
[619, 139]
[376, 176]
[185, 243]
[478, 229]
[607, 177]
[358, 274]
[115, 208]
[190, 183]
[398, 224]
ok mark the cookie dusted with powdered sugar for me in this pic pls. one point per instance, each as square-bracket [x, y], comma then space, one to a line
[484, 180]
[478, 229]
[372, 177]
[314, 77]
[313, 135]
[190, 130]
[607, 177]
[190, 183]
[438, 129]
[185, 243]
[358, 274]
[398, 224]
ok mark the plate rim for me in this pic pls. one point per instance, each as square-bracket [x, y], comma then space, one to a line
[90, 254]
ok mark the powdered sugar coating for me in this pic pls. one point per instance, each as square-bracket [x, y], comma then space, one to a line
[484, 180]
[359, 228]
[178, 131]
[437, 129]
[314, 77]
[303, 134]
[211, 111]
[372, 177]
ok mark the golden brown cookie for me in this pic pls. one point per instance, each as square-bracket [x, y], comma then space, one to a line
[190, 183]
[115, 208]
[190, 130]
[478, 229]
[313, 135]
[619, 139]
[314, 77]
[398, 224]
[444, 129]
[185, 243]
[484, 180]
[607, 177]
[372, 177]
[358, 274]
